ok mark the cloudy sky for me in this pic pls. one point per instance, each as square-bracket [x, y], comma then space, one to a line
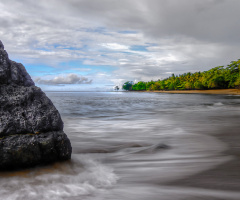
[96, 44]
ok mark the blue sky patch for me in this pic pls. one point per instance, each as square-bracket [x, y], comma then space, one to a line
[40, 69]
[128, 32]
[138, 48]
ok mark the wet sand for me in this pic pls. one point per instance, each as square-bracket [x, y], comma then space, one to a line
[225, 177]
[217, 91]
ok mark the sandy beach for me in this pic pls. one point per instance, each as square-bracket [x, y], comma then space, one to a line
[216, 91]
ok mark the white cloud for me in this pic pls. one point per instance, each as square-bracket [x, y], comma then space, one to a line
[64, 79]
[115, 46]
[179, 36]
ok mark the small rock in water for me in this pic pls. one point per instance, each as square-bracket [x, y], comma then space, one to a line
[31, 128]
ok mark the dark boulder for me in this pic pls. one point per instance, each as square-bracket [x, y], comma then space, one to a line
[31, 128]
[27, 150]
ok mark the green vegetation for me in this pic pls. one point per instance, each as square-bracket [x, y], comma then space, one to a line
[128, 85]
[116, 88]
[216, 78]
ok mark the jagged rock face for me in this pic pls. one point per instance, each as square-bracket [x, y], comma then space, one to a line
[27, 110]
[27, 116]
[24, 108]
[12, 72]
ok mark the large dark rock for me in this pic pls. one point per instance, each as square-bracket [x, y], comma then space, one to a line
[31, 128]
[26, 150]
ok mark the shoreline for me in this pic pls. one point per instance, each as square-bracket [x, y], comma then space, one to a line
[214, 91]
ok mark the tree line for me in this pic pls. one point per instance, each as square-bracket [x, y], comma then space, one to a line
[216, 78]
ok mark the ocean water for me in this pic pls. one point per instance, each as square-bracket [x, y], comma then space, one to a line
[128, 145]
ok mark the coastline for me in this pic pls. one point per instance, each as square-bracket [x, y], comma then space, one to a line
[215, 91]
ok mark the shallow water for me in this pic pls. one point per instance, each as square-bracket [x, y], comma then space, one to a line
[128, 145]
